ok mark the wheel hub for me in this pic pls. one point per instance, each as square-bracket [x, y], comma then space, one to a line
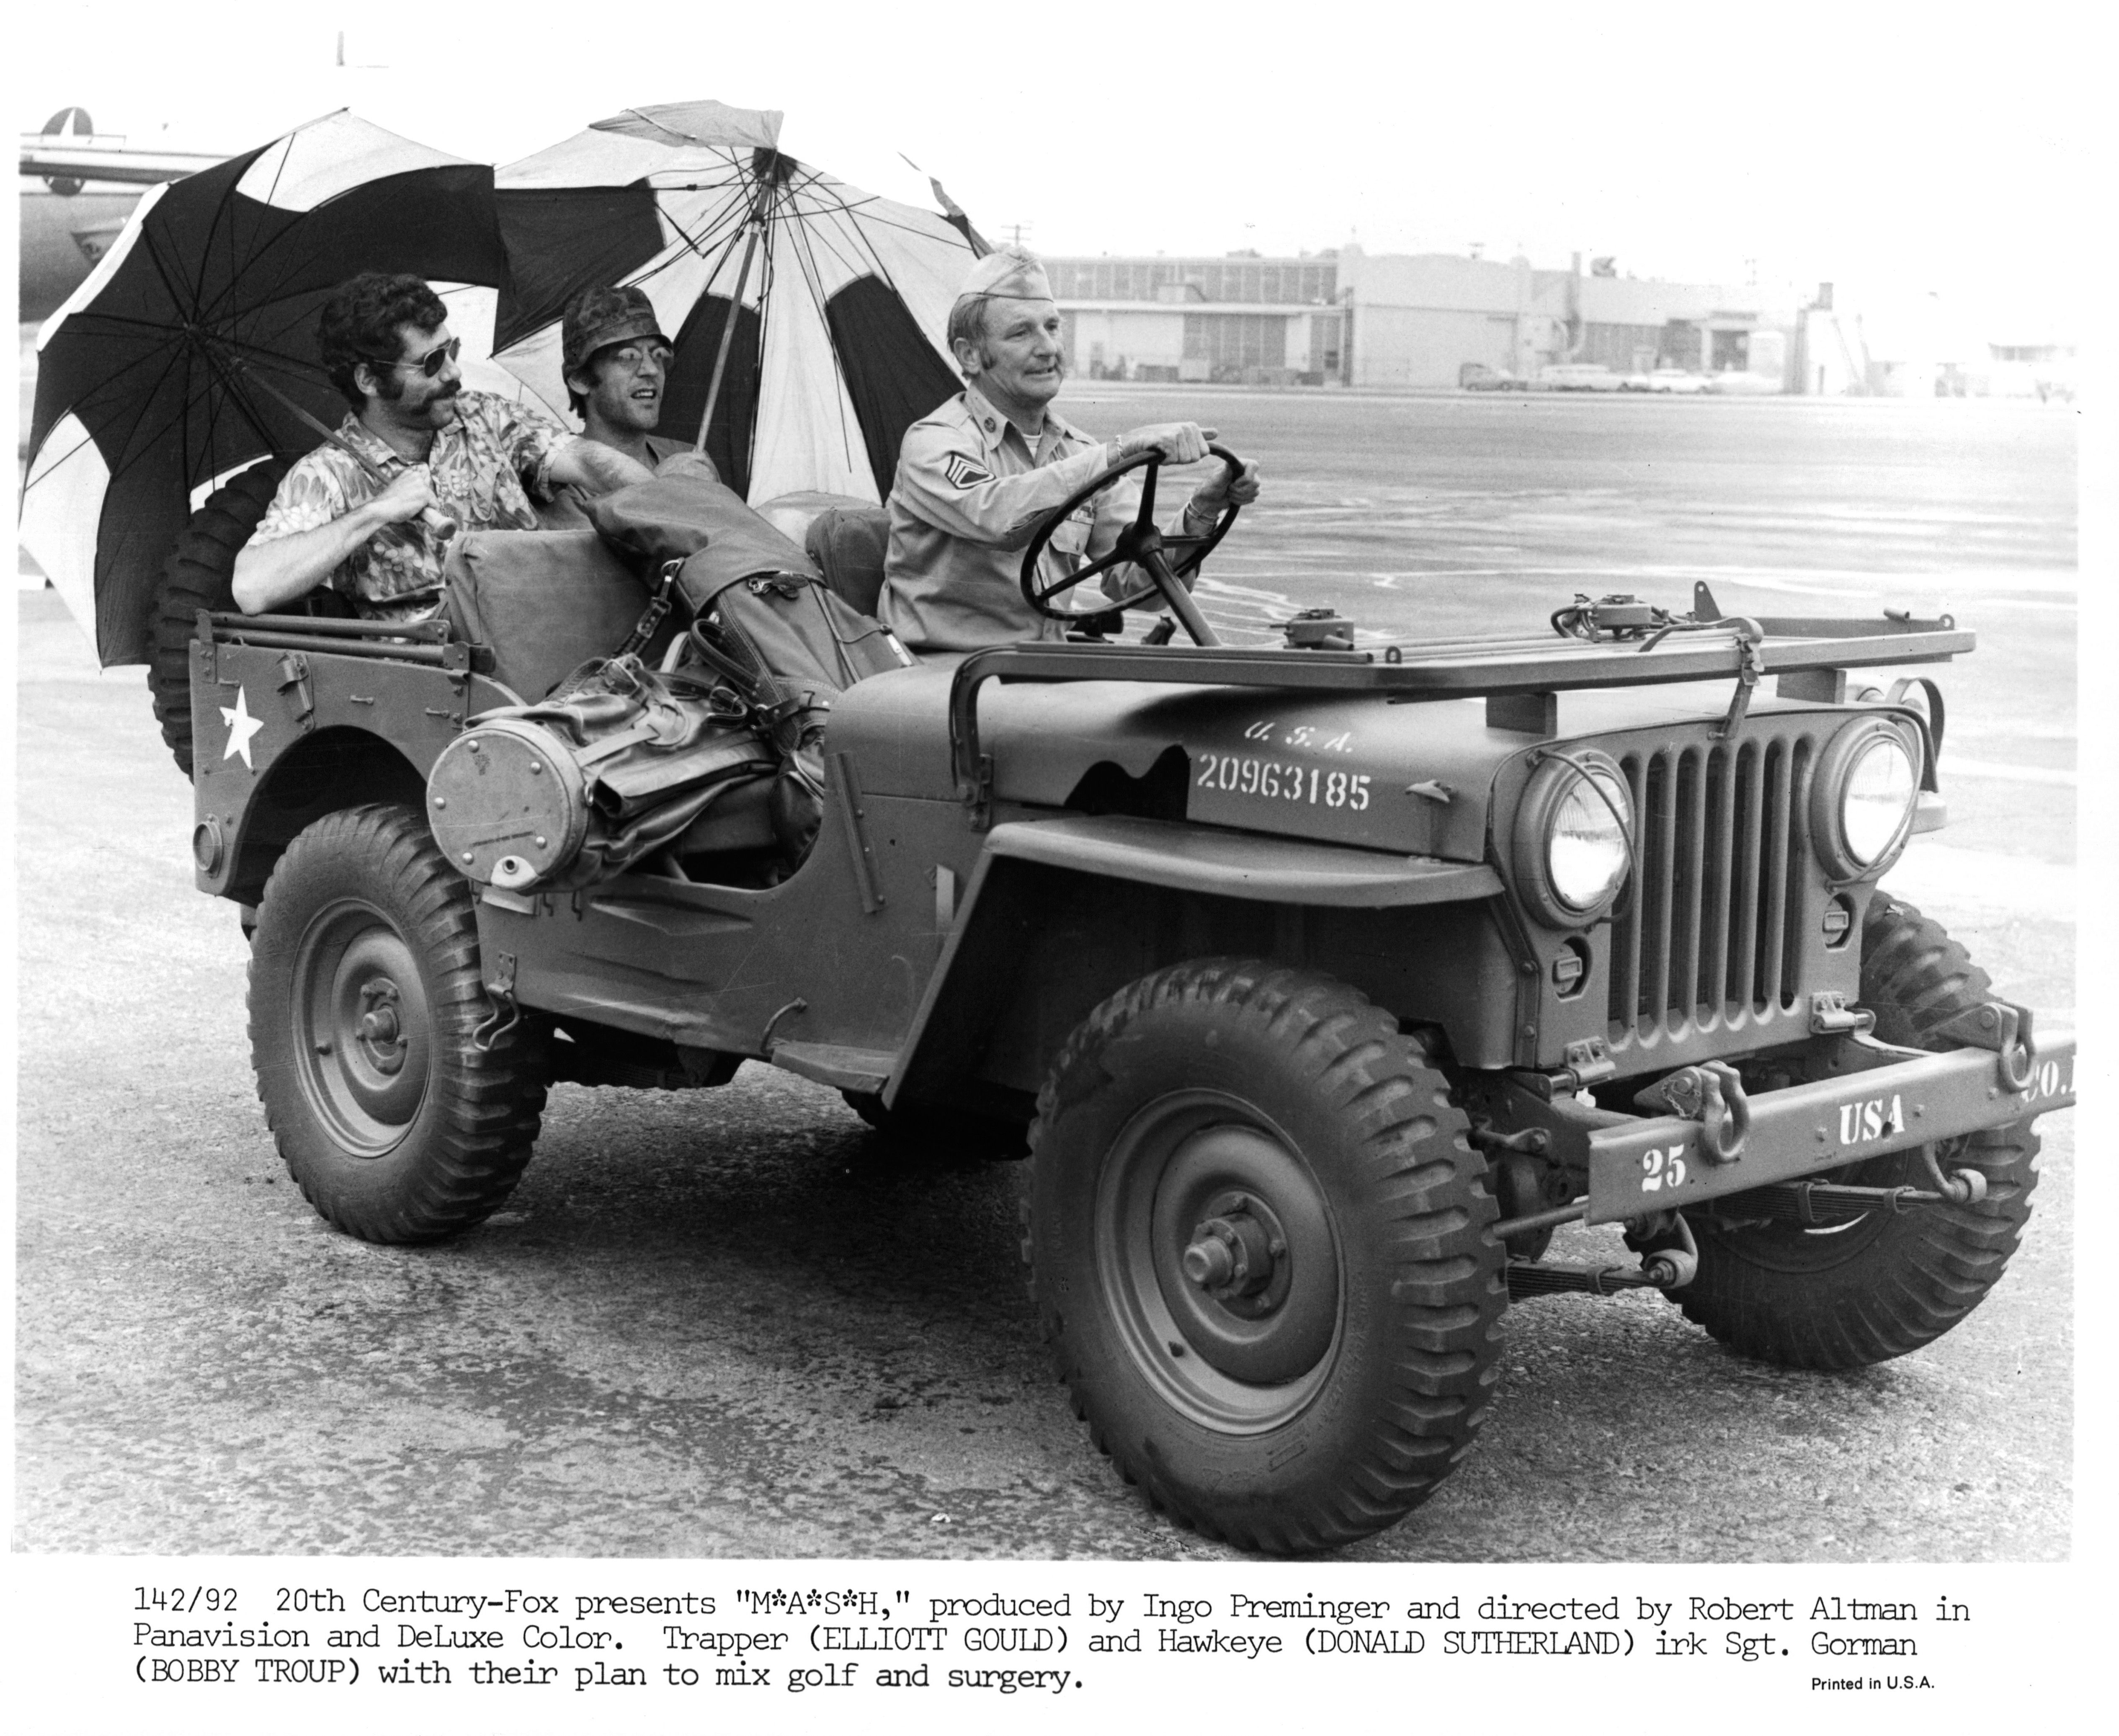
[363, 1028]
[378, 1031]
[1236, 1259]
[1232, 1255]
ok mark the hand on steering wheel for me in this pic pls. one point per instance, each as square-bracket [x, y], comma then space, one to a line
[1168, 558]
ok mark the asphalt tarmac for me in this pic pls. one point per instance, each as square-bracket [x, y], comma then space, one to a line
[724, 1323]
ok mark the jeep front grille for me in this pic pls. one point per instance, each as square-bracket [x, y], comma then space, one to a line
[1707, 936]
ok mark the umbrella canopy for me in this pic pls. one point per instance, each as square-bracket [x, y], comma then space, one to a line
[840, 299]
[177, 362]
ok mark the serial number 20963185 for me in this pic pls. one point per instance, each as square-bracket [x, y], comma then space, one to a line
[1313, 786]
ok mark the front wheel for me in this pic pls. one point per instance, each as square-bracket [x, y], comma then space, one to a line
[1257, 1240]
[366, 1015]
[1846, 1295]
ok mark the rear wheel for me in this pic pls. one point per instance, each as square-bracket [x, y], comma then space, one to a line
[197, 575]
[366, 1009]
[1845, 1295]
[1256, 1234]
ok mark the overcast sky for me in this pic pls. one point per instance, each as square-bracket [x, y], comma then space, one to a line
[1912, 148]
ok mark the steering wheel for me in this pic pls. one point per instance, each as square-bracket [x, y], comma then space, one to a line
[1168, 558]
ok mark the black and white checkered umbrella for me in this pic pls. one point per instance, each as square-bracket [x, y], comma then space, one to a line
[191, 351]
[840, 299]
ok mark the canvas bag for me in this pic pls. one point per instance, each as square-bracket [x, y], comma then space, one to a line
[650, 752]
[802, 633]
[765, 622]
[681, 510]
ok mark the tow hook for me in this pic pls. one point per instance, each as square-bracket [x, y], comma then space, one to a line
[2004, 1029]
[1711, 1094]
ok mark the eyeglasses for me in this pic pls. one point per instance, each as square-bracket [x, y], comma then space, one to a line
[631, 355]
[431, 364]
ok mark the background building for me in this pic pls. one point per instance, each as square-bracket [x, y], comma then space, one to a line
[1273, 322]
[1350, 318]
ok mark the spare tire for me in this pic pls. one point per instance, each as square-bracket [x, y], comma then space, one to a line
[199, 574]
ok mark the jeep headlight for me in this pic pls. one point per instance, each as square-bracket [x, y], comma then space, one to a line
[1574, 837]
[1867, 783]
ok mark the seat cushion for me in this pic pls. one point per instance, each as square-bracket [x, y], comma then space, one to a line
[848, 544]
[546, 601]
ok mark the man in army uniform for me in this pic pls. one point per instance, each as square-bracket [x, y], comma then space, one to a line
[975, 477]
[428, 442]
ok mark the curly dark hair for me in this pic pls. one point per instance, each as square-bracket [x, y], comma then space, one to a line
[359, 324]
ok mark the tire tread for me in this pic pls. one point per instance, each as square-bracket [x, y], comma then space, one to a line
[482, 1131]
[1447, 1300]
[195, 575]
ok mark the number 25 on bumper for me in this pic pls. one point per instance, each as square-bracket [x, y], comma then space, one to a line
[1661, 1168]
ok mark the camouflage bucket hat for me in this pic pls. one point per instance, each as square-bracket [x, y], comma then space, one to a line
[598, 317]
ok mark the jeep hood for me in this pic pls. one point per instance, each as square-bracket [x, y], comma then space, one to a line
[1415, 778]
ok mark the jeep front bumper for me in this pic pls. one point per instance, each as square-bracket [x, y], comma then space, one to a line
[1638, 1166]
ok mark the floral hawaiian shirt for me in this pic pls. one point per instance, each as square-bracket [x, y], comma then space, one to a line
[485, 467]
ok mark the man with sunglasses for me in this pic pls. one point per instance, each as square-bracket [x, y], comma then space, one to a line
[423, 440]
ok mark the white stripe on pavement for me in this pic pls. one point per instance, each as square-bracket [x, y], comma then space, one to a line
[1954, 767]
[1946, 881]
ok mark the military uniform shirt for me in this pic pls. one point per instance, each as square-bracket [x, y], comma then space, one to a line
[968, 494]
[483, 468]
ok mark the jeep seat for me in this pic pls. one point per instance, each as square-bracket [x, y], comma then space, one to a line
[546, 601]
[848, 544]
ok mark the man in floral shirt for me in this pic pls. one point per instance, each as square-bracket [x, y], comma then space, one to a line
[475, 458]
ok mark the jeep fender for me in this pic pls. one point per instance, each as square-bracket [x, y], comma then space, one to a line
[235, 844]
[1057, 914]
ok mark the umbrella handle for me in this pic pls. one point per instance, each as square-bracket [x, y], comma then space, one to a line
[439, 525]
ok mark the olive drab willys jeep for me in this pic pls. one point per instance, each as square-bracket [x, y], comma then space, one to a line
[1327, 980]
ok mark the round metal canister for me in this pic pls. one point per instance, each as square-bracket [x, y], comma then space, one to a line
[508, 803]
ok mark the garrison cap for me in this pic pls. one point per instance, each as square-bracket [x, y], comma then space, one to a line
[600, 316]
[1010, 271]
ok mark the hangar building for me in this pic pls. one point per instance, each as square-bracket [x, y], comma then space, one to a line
[1348, 317]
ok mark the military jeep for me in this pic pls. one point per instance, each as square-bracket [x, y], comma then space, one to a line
[1323, 981]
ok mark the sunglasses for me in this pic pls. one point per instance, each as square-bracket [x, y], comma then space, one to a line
[431, 364]
[631, 355]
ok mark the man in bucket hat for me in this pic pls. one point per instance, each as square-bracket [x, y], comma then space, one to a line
[616, 363]
[975, 477]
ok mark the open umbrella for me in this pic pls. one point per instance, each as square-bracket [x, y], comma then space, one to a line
[840, 299]
[190, 352]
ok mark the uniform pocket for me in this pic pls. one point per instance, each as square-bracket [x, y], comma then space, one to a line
[1072, 537]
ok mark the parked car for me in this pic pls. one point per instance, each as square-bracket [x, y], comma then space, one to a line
[1740, 382]
[1676, 379]
[1478, 377]
[1578, 376]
